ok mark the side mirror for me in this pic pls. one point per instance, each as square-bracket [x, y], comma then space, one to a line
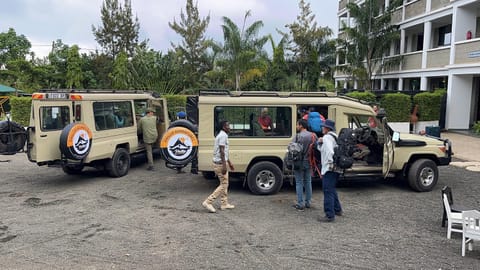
[396, 136]
[381, 113]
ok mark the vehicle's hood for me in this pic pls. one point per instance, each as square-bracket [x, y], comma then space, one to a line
[422, 138]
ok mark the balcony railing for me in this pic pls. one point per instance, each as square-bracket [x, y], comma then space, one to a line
[412, 61]
[397, 16]
[467, 52]
[415, 9]
[437, 4]
[439, 57]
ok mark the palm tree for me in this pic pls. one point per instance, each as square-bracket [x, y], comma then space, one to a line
[242, 49]
[370, 39]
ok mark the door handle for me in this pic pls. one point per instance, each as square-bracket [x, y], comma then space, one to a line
[43, 136]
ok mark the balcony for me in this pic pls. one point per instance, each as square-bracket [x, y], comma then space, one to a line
[438, 58]
[342, 4]
[438, 4]
[412, 61]
[415, 9]
[467, 52]
[397, 16]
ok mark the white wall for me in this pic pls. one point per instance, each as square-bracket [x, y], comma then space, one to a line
[466, 21]
[458, 102]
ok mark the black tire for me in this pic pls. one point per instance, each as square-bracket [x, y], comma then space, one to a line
[264, 178]
[179, 145]
[119, 164]
[72, 169]
[184, 123]
[423, 175]
[12, 137]
[76, 141]
[209, 175]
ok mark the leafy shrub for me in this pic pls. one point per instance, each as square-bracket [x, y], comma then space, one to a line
[429, 104]
[476, 127]
[20, 109]
[397, 107]
[365, 96]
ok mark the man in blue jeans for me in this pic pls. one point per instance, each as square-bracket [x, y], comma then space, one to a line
[327, 143]
[303, 175]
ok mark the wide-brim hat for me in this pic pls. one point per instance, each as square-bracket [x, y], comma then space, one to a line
[150, 110]
[329, 124]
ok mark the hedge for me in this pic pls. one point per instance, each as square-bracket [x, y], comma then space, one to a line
[397, 107]
[429, 104]
[366, 96]
[20, 110]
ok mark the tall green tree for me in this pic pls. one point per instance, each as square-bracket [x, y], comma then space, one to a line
[74, 74]
[242, 48]
[369, 39]
[119, 30]
[307, 45]
[120, 75]
[58, 61]
[277, 70]
[192, 51]
[13, 46]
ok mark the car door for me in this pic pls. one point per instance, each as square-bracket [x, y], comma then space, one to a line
[388, 150]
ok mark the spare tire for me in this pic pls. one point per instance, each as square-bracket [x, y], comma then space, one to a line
[12, 137]
[184, 123]
[76, 141]
[179, 145]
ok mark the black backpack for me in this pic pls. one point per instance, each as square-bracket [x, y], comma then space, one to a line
[342, 155]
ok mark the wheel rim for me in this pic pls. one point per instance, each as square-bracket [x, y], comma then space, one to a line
[122, 163]
[427, 175]
[265, 180]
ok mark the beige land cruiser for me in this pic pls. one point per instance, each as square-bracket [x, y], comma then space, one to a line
[258, 151]
[78, 128]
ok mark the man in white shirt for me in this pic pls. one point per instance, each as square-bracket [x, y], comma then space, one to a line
[220, 160]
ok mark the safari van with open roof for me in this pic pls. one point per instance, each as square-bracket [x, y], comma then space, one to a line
[258, 152]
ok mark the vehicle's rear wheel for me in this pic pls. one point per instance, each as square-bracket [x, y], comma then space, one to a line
[423, 175]
[264, 178]
[72, 169]
[119, 165]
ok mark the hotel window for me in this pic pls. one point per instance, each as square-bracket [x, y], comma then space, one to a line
[444, 35]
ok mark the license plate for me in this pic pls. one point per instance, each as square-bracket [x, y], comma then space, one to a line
[57, 95]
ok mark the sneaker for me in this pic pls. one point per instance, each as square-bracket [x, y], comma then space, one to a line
[326, 219]
[298, 207]
[339, 213]
[150, 168]
[227, 206]
[307, 205]
[194, 171]
[209, 207]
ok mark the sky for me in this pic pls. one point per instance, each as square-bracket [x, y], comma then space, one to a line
[44, 21]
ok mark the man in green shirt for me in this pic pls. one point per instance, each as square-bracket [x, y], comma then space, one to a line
[148, 126]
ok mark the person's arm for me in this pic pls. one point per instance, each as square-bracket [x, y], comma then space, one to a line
[328, 142]
[222, 157]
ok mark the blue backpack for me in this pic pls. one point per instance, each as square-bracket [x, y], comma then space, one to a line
[315, 121]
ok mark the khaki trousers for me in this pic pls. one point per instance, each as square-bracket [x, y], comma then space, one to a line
[148, 148]
[222, 189]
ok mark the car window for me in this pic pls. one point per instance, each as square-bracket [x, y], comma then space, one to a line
[253, 121]
[54, 117]
[111, 115]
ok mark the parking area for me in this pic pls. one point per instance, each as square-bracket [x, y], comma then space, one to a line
[154, 220]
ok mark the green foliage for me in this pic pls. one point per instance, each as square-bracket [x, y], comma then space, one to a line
[366, 96]
[74, 71]
[429, 104]
[21, 108]
[175, 103]
[119, 31]
[310, 45]
[120, 74]
[397, 106]
[13, 47]
[193, 49]
[476, 127]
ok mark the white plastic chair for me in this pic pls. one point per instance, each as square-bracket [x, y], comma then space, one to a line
[454, 220]
[471, 229]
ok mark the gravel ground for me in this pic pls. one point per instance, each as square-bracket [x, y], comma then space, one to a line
[154, 220]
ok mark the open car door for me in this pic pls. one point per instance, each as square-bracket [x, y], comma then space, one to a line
[388, 150]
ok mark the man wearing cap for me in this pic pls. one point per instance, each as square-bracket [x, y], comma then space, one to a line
[148, 126]
[181, 115]
[327, 143]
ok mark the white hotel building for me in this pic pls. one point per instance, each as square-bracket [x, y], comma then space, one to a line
[440, 45]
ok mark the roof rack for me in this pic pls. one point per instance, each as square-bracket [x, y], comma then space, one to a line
[311, 94]
[94, 91]
[255, 94]
[214, 92]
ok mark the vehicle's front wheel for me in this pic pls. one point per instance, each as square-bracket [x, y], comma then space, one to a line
[423, 175]
[119, 165]
[264, 178]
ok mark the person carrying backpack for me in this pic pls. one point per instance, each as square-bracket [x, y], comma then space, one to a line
[327, 143]
[303, 175]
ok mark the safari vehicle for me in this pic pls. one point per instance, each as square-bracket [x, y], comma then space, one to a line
[258, 153]
[98, 128]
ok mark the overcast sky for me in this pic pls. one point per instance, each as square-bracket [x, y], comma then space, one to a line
[43, 21]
